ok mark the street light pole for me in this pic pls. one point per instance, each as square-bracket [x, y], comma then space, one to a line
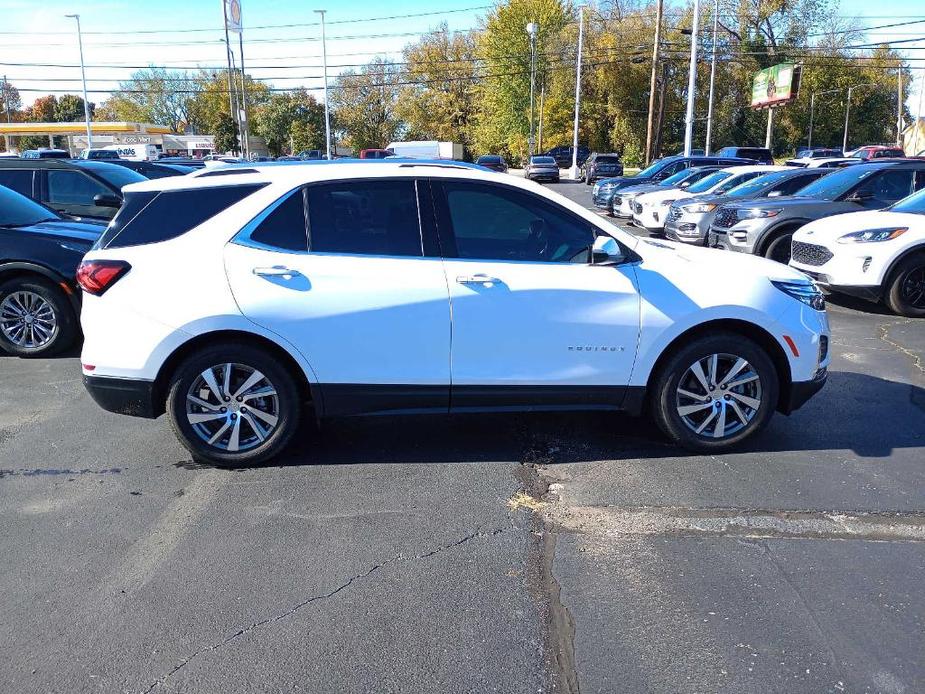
[581, 34]
[691, 83]
[706, 149]
[899, 105]
[327, 113]
[83, 79]
[531, 30]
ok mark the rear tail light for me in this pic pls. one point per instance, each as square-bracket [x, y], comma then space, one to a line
[96, 276]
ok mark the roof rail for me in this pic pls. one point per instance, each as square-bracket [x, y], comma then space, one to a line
[226, 172]
[436, 165]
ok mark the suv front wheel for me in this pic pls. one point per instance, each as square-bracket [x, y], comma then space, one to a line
[233, 405]
[714, 392]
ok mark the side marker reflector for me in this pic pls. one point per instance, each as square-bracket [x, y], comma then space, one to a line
[792, 344]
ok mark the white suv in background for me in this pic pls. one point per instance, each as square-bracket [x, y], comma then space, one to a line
[651, 209]
[232, 298]
[877, 255]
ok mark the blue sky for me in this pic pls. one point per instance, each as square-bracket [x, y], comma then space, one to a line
[36, 31]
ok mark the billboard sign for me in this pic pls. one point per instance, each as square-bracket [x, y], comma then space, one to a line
[775, 85]
[233, 15]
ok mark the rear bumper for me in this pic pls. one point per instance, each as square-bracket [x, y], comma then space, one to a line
[128, 396]
[802, 391]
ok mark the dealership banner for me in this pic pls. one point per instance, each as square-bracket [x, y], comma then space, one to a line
[233, 15]
[775, 85]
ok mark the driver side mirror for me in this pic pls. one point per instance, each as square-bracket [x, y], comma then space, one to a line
[606, 251]
[106, 200]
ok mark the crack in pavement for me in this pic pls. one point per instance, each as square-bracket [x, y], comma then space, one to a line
[315, 598]
[884, 329]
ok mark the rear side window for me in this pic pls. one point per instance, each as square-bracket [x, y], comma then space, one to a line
[19, 180]
[73, 188]
[364, 218]
[152, 217]
[284, 227]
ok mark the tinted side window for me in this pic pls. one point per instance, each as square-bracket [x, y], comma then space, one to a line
[73, 188]
[169, 214]
[792, 185]
[364, 217]
[889, 185]
[284, 227]
[495, 223]
[19, 180]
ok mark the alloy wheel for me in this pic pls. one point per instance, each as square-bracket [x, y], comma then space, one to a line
[232, 407]
[912, 290]
[718, 395]
[27, 320]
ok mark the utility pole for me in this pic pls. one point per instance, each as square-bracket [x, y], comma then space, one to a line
[691, 84]
[573, 173]
[245, 120]
[539, 135]
[899, 105]
[531, 30]
[231, 105]
[655, 49]
[83, 79]
[812, 108]
[327, 114]
[918, 116]
[844, 145]
[706, 148]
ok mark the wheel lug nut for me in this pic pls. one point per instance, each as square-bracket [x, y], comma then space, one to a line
[243, 410]
[240, 399]
[725, 397]
[224, 409]
[234, 416]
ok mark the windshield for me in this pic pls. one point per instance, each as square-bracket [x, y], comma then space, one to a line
[758, 184]
[707, 183]
[113, 174]
[18, 210]
[675, 179]
[654, 167]
[838, 183]
[914, 204]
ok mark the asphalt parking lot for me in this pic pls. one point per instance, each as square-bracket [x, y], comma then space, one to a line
[519, 553]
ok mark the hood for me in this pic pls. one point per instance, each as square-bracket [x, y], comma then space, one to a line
[645, 188]
[710, 263]
[828, 229]
[88, 232]
[662, 194]
[620, 182]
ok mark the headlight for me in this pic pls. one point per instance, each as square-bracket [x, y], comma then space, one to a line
[873, 235]
[699, 208]
[807, 292]
[756, 213]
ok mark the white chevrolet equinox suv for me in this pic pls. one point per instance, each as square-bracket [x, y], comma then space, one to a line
[234, 298]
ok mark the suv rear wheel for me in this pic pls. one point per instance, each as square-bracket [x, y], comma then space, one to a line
[36, 318]
[714, 392]
[905, 290]
[233, 405]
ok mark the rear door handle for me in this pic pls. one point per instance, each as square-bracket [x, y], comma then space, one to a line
[477, 279]
[276, 271]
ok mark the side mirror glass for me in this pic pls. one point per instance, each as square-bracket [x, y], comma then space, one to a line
[606, 251]
[106, 200]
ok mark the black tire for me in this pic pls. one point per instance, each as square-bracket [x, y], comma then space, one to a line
[905, 289]
[65, 331]
[286, 406]
[778, 248]
[665, 399]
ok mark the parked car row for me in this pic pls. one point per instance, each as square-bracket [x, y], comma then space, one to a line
[774, 211]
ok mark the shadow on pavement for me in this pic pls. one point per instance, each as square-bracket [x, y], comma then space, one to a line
[868, 415]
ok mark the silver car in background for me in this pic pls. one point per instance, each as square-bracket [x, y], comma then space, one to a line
[689, 220]
[542, 168]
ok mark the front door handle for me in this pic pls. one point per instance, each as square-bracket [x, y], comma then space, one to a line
[276, 271]
[477, 279]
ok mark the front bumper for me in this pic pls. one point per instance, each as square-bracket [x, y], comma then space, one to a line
[129, 396]
[688, 228]
[828, 285]
[650, 218]
[802, 391]
[851, 268]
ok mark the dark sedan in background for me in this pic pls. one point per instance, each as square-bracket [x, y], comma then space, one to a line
[39, 255]
[153, 169]
[495, 162]
[601, 166]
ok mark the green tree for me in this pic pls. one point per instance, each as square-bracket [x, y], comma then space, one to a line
[226, 133]
[285, 117]
[503, 95]
[440, 104]
[70, 108]
[365, 104]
